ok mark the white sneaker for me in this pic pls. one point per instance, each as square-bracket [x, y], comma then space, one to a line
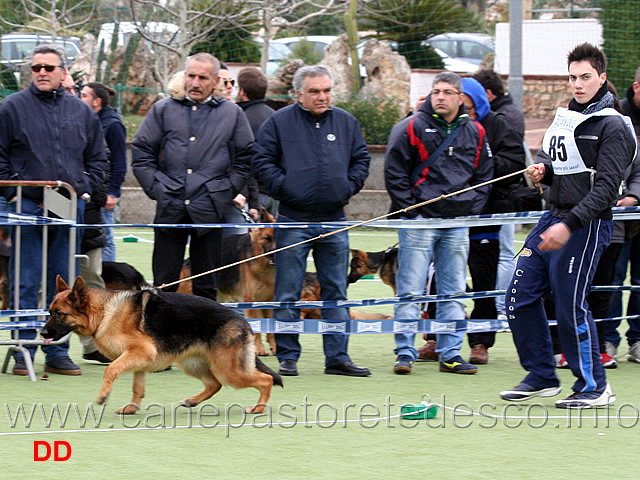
[581, 400]
[611, 350]
[634, 353]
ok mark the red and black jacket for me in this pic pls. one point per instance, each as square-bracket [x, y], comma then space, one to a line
[465, 163]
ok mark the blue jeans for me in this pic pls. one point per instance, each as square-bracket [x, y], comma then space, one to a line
[109, 249]
[449, 249]
[630, 254]
[31, 269]
[506, 262]
[331, 258]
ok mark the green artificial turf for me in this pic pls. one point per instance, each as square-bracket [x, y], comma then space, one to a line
[464, 441]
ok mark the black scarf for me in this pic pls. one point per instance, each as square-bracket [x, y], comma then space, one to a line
[601, 100]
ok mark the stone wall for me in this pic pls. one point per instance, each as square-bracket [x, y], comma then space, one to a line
[544, 94]
[371, 201]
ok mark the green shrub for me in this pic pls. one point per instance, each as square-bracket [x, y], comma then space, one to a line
[376, 118]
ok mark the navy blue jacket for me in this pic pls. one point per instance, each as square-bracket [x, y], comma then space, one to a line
[50, 136]
[192, 158]
[115, 134]
[312, 165]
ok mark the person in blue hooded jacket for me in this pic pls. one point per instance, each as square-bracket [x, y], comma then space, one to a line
[484, 246]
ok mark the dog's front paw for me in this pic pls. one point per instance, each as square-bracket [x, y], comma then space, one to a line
[101, 399]
[188, 402]
[129, 409]
[259, 408]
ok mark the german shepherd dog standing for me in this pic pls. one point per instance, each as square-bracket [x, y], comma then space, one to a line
[252, 281]
[384, 263]
[148, 330]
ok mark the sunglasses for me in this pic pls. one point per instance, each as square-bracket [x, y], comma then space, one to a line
[229, 81]
[47, 68]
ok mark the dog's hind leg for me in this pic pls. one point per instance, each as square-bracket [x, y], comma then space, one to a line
[271, 339]
[139, 382]
[260, 350]
[200, 369]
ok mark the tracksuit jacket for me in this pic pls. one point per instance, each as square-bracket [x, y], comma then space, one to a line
[466, 162]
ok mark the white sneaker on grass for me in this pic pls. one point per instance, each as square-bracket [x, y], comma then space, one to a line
[582, 400]
[634, 353]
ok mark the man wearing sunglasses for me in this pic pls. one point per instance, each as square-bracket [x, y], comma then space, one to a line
[48, 134]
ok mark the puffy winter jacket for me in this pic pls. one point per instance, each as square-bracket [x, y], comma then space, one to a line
[50, 136]
[607, 146]
[312, 165]
[195, 167]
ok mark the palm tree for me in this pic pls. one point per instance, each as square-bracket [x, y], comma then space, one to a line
[409, 22]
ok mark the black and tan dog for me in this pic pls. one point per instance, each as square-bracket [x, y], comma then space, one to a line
[252, 281]
[146, 331]
[384, 263]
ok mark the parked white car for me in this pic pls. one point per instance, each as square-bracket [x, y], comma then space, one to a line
[469, 48]
[17, 46]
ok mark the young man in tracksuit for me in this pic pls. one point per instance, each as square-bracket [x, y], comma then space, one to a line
[589, 145]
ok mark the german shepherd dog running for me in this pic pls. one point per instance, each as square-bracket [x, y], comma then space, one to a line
[145, 331]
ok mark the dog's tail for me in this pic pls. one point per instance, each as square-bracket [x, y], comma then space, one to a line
[277, 379]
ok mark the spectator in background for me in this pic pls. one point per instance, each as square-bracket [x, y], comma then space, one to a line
[93, 241]
[313, 158]
[97, 96]
[629, 256]
[47, 134]
[192, 154]
[252, 88]
[484, 251]
[436, 151]
[225, 87]
[503, 104]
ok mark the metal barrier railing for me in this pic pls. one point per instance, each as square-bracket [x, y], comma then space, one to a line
[64, 207]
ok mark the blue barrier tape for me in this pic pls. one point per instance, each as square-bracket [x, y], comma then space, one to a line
[23, 325]
[392, 325]
[24, 313]
[619, 213]
[23, 219]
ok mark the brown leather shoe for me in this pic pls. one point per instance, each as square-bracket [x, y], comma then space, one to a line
[479, 355]
[427, 352]
[62, 366]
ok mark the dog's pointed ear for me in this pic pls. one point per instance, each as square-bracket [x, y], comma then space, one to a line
[61, 285]
[265, 216]
[78, 295]
[357, 253]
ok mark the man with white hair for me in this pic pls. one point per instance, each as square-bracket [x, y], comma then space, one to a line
[312, 157]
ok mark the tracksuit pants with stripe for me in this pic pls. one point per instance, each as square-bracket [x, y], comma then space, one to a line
[567, 273]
